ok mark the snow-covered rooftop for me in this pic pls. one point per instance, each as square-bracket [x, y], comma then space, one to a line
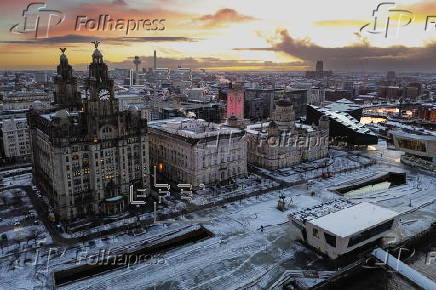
[351, 220]
[343, 105]
[191, 128]
[345, 119]
[321, 210]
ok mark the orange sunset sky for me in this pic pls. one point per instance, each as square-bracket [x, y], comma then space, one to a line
[228, 35]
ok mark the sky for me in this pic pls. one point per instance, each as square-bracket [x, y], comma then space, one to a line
[216, 35]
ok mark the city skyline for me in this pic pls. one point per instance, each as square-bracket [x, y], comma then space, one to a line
[230, 36]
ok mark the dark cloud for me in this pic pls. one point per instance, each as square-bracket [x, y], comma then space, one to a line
[74, 39]
[119, 2]
[222, 17]
[357, 57]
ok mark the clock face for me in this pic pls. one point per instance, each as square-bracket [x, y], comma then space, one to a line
[103, 94]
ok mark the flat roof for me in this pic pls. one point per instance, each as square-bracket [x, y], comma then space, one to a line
[343, 105]
[351, 220]
[399, 133]
[345, 119]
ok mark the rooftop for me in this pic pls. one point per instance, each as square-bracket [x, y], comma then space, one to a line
[321, 210]
[191, 128]
[409, 135]
[343, 105]
[351, 220]
[345, 119]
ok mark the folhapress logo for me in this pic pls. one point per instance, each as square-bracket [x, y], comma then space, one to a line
[383, 20]
[105, 22]
[38, 20]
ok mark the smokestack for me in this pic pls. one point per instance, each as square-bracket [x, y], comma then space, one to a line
[154, 59]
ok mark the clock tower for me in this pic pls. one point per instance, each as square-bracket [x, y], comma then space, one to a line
[101, 106]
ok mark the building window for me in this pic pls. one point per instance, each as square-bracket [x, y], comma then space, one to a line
[415, 145]
[315, 233]
[365, 235]
[330, 239]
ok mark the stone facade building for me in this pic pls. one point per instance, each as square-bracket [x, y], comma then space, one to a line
[189, 151]
[85, 160]
[15, 143]
[282, 142]
[23, 100]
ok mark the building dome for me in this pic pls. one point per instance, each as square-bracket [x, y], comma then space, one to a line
[133, 108]
[63, 58]
[97, 54]
[37, 105]
[283, 103]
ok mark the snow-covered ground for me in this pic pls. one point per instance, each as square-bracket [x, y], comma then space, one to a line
[239, 252]
[337, 162]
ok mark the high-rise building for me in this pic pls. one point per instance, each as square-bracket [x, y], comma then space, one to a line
[41, 77]
[258, 103]
[298, 99]
[235, 101]
[85, 160]
[14, 139]
[319, 66]
[319, 71]
[390, 76]
[137, 62]
[154, 60]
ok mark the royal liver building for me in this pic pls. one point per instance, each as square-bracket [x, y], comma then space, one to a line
[86, 152]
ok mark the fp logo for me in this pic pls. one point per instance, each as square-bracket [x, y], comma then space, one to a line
[38, 19]
[388, 20]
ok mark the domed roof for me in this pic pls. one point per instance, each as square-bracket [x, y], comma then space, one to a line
[283, 103]
[133, 108]
[97, 53]
[62, 114]
[63, 57]
[37, 105]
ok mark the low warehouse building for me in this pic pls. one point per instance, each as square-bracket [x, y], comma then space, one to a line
[336, 232]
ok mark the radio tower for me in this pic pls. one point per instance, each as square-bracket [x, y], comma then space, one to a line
[137, 62]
